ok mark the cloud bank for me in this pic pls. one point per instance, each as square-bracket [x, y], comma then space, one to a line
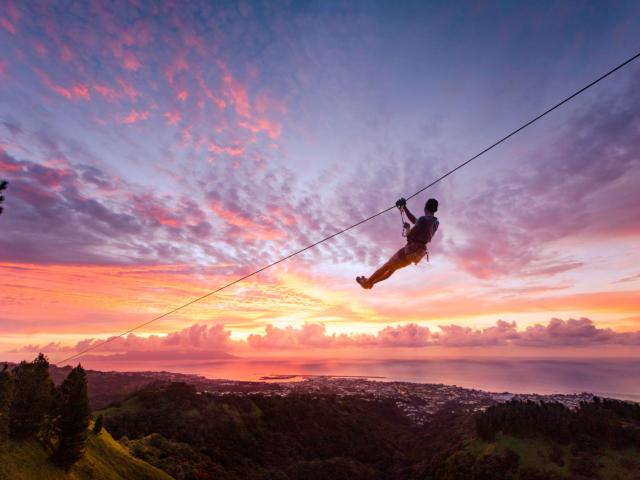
[199, 340]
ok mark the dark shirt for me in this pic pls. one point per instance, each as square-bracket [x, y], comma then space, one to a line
[424, 230]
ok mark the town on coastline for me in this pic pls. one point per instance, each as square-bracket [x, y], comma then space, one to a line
[419, 401]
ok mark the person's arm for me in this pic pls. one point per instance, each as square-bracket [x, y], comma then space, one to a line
[410, 215]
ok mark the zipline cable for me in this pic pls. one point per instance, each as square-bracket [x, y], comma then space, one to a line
[297, 252]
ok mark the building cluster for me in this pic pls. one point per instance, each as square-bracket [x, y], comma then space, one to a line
[418, 401]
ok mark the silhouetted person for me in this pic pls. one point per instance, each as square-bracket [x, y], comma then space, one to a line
[421, 233]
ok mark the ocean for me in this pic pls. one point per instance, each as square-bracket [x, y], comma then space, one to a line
[617, 378]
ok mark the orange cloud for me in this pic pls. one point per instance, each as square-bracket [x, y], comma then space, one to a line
[446, 303]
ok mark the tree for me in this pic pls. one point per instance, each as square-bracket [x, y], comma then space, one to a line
[33, 400]
[6, 397]
[74, 419]
[97, 426]
[3, 186]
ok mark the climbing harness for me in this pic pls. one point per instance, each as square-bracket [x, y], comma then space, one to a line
[406, 228]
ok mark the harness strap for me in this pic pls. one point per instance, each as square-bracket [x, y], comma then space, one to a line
[405, 225]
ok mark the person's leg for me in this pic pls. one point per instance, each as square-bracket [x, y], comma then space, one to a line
[386, 271]
[397, 261]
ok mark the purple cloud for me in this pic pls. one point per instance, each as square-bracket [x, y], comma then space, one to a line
[582, 186]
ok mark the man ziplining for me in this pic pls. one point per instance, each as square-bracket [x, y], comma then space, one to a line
[391, 266]
[423, 230]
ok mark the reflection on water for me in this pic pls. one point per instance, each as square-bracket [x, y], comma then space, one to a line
[614, 378]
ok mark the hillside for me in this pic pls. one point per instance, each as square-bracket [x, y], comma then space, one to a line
[535, 459]
[201, 436]
[105, 459]
[260, 437]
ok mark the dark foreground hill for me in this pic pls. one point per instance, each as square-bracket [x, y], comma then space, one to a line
[200, 436]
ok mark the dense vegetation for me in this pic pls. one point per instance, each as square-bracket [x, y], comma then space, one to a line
[44, 430]
[199, 436]
[32, 408]
[190, 435]
[255, 436]
[548, 441]
[104, 459]
[605, 422]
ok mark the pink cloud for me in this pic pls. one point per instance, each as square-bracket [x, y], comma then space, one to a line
[174, 215]
[78, 90]
[40, 49]
[130, 61]
[271, 128]
[268, 104]
[232, 217]
[193, 338]
[135, 116]
[582, 186]
[57, 216]
[410, 335]
[66, 53]
[245, 226]
[10, 17]
[197, 338]
[150, 209]
[178, 65]
[173, 117]
[236, 91]
[234, 151]
[128, 89]
[281, 215]
[209, 94]
[574, 332]
[457, 336]
[123, 89]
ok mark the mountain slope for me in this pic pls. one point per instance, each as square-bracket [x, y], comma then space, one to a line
[196, 435]
[536, 459]
[105, 459]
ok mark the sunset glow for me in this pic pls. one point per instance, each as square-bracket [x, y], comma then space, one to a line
[158, 150]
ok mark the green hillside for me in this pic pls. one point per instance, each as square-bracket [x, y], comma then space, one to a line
[540, 458]
[316, 437]
[105, 459]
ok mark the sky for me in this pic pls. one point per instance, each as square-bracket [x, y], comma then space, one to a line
[157, 150]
